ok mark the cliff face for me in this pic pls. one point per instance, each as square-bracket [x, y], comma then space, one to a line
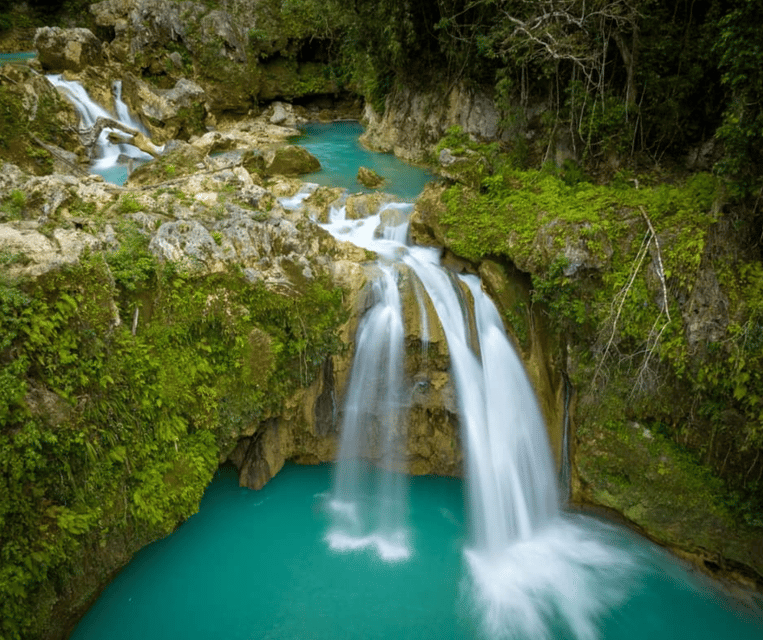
[414, 120]
[625, 280]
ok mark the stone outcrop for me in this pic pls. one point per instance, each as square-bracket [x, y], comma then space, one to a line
[47, 140]
[170, 40]
[166, 112]
[289, 160]
[67, 49]
[141, 25]
[414, 121]
[369, 178]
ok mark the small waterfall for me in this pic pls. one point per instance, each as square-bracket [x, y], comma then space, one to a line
[370, 504]
[112, 160]
[532, 571]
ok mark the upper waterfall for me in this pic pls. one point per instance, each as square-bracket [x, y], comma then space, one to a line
[113, 159]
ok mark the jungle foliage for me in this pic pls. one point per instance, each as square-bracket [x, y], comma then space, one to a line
[121, 382]
[651, 79]
[655, 288]
[648, 78]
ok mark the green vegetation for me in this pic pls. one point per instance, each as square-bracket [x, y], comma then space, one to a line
[635, 469]
[121, 382]
[654, 290]
[12, 207]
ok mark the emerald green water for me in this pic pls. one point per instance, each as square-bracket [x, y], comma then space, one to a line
[336, 146]
[254, 565]
[17, 57]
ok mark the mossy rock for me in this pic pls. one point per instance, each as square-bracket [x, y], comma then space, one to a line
[290, 160]
[369, 178]
[634, 470]
[180, 161]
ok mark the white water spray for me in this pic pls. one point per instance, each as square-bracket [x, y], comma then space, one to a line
[532, 572]
[370, 507]
[110, 157]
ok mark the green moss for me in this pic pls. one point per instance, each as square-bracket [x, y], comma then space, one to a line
[13, 205]
[635, 470]
[628, 353]
[121, 382]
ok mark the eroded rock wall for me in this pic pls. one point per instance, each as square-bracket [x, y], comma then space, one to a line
[414, 120]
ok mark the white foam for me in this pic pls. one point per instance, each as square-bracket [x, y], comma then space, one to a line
[293, 203]
[348, 510]
[393, 547]
[559, 582]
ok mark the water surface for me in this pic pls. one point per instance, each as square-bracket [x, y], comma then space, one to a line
[254, 565]
[337, 147]
[17, 57]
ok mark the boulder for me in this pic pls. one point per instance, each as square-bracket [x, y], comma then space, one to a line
[361, 205]
[369, 178]
[290, 160]
[40, 253]
[283, 114]
[68, 49]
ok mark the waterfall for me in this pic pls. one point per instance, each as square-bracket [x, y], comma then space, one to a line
[372, 426]
[532, 571]
[113, 160]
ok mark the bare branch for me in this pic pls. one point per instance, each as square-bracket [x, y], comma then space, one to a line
[89, 136]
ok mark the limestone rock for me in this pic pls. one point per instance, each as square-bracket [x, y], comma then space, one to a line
[369, 178]
[221, 27]
[143, 25]
[580, 251]
[362, 205]
[67, 49]
[246, 134]
[446, 157]
[180, 160]
[705, 313]
[31, 94]
[282, 114]
[425, 226]
[39, 253]
[290, 160]
[169, 107]
[415, 120]
[468, 169]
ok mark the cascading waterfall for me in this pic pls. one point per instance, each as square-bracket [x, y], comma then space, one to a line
[532, 571]
[373, 426]
[113, 160]
[255, 563]
[369, 505]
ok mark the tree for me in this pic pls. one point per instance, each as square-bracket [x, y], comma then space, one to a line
[740, 49]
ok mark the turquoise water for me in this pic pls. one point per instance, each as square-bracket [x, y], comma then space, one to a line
[17, 57]
[116, 174]
[254, 565]
[336, 146]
